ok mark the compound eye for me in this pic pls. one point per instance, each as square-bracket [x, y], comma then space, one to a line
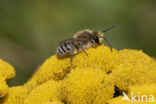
[96, 39]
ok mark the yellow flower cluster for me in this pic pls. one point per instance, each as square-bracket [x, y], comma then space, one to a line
[87, 86]
[89, 80]
[137, 68]
[7, 72]
[52, 102]
[143, 93]
[49, 91]
[56, 69]
[15, 95]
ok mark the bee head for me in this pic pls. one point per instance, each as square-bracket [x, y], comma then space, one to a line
[98, 36]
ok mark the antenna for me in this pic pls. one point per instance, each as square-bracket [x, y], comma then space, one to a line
[108, 29]
[108, 43]
[105, 38]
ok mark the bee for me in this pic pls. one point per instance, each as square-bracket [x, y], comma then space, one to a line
[80, 41]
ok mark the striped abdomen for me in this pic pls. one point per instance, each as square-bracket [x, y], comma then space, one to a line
[64, 48]
[73, 45]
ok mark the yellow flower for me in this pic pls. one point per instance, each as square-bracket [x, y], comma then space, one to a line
[6, 70]
[3, 87]
[6, 73]
[54, 102]
[89, 80]
[15, 95]
[56, 69]
[87, 86]
[137, 68]
[145, 89]
[136, 57]
[49, 91]
[118, 100]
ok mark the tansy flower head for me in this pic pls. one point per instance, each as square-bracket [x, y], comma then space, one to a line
[7, 72]
[138, 68]
[142, 93]
[56, 69]
[3, 87]
[52, 102]
[145, 89]
[87, 86]
[92, 79]
[16, 95]
[118, 100]
[48, 91]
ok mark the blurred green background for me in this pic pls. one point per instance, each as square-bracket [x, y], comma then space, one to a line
[31, 29]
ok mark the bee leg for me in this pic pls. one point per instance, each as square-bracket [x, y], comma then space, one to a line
[71, 54]
[84, 51]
